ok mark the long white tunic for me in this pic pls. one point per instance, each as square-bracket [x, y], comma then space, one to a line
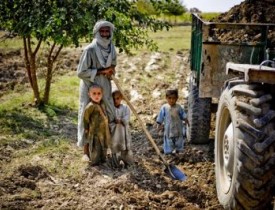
[121, 138]
[87, 69]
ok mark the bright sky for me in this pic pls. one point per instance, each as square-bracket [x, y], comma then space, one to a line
[211, 5]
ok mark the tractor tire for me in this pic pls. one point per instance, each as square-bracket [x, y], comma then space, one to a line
[244, 147]
[199, 117]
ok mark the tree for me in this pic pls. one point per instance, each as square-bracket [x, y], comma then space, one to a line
[173, 8]
[56, 24]
[146, 7]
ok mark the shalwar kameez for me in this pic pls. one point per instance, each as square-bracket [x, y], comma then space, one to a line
[172, 117]
[121, 138]
[96, 56]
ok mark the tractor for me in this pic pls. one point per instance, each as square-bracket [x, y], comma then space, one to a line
[232, 89]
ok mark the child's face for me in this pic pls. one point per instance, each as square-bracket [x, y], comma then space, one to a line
[172, 99]
[117, 99]
[95, 94]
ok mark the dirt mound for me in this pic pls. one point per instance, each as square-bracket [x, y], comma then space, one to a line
[248, 12]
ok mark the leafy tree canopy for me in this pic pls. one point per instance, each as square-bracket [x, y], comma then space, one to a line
[59, 23]
[68, 21]
[173, 7]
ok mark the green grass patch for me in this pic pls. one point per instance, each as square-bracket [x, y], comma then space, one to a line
[14, 99]
[65, 92]
[187, 17]
[177, 38]
[9, 43]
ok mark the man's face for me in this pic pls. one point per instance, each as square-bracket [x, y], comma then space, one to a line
[105, 32]
[95, 94]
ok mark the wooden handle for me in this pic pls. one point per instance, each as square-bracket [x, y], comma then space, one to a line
[140, 121]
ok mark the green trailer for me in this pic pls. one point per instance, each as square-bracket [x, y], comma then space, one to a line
[233, 82]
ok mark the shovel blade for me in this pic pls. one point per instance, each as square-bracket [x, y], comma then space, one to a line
[175, 173]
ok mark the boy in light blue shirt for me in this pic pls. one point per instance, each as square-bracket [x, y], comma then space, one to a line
[171, 117]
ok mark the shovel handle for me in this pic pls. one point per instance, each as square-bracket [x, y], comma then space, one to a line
[140, 121]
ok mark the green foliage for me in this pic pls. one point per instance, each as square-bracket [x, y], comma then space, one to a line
[146, 7]
[173, 7]
[65, 22]
[185, 18]
[60, 23]
[209, 16]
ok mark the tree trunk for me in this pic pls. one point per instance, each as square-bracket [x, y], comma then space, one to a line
[48, 82]
[51, 59]
[31, 68]
[35, 88]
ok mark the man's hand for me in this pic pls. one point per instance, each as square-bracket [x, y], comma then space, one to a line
[109, 71]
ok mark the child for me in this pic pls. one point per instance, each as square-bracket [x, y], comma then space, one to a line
[121, 139]
[97, 135]
[171, 115]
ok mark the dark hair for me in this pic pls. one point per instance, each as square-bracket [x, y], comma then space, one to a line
[95, 86]
[117, 92]
[172, 92]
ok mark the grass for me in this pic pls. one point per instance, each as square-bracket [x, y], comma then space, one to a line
[21, 123]
[187, 18]
[65, 91]
[177, 38]
[8, 44]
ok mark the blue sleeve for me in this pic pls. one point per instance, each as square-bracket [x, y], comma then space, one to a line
[161, 115]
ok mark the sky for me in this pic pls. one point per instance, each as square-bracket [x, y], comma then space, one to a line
[211, 5]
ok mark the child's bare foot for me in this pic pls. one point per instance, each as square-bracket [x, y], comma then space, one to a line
[85, 158]
[121, 164]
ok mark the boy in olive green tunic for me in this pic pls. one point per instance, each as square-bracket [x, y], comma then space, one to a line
[97, 135]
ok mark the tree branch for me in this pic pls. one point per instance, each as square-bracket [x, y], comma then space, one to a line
[57, 53]
[27, 60]
[37, 46]
[29, 47]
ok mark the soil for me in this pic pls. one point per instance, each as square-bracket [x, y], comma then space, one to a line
[145, 184]
[247, 12]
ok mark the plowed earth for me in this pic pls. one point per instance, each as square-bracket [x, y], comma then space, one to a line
[144, 185]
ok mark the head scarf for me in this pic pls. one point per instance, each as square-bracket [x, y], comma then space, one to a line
[104, 42]
[105, 50]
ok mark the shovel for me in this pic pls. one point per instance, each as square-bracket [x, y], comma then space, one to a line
[170, 169]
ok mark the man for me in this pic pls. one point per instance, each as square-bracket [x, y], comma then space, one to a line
[96, 65]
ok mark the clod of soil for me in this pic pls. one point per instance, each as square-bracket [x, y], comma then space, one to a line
[247, 12]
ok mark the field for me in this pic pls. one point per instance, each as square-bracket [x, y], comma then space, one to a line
[177, 38]
[41, 166]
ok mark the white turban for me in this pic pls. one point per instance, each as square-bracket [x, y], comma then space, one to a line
[104, 42]
[103, 23]
[105, 49]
